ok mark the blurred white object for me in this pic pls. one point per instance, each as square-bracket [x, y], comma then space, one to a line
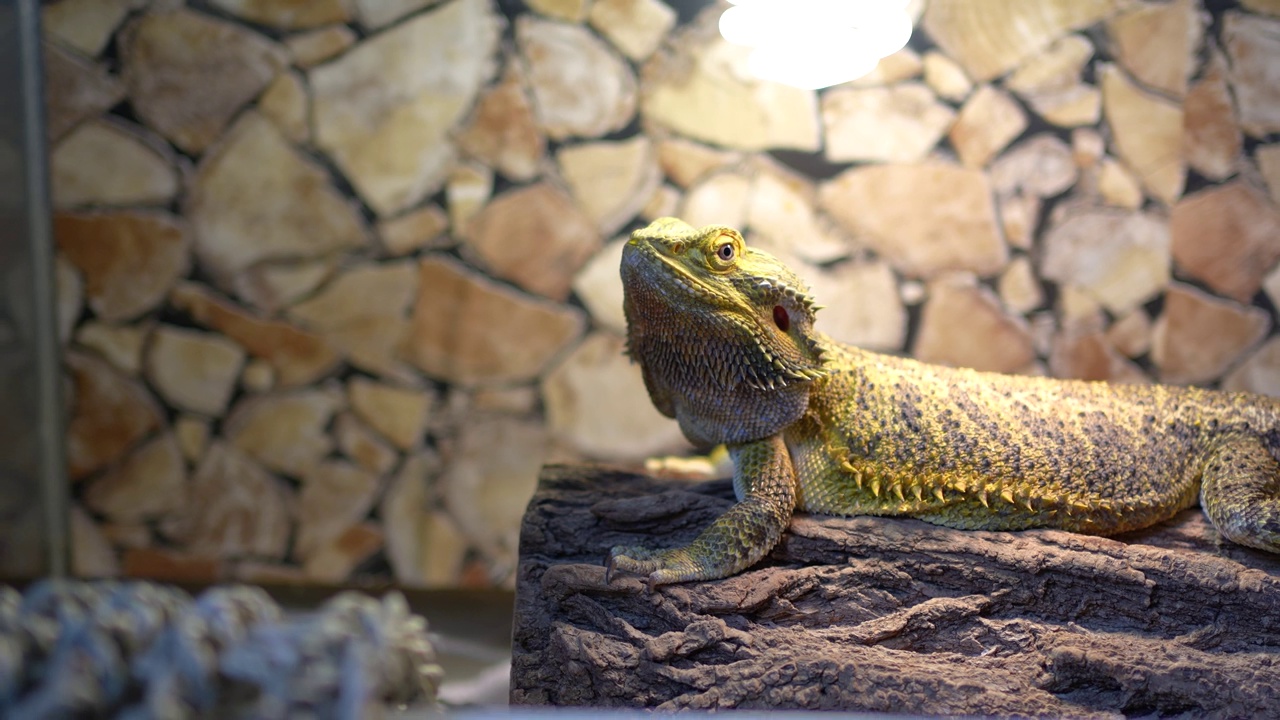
[816, 43]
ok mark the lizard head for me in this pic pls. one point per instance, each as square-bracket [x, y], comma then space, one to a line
[734, 304]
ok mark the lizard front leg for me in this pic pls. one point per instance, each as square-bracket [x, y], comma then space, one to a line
[766, 486]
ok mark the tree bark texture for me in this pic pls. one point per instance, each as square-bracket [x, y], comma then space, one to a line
[890, 615]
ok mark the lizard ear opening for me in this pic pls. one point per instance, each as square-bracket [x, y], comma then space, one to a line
[781, 318]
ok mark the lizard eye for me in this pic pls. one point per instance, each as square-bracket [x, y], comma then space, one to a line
[725, 252]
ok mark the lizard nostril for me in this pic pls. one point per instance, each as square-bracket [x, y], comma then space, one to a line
[781, 318]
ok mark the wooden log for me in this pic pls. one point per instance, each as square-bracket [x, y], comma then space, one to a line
[893, 615]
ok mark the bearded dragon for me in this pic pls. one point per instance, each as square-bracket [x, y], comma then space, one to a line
[724, 335]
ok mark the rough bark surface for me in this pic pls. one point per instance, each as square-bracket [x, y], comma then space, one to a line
[880, 614]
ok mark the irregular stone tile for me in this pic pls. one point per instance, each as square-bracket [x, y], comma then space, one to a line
[780, 213]
[1078, 310]
[1117, 186]
[192, 434]
[963, 325]
[285, 431]
[610, 180]
[580, 87]
[1147, 133]
[571, 10]
[1131, 333]
[193, 370]
[297, 357]
[398, 414]
[374, 14]
[85, 25]
[334, 561]
[663, 203]
[636, 27]
[902, 65]
[989, 121]
[150, 483]
[234, 508]
[924, 219]
[109, 164]
[1253, 45]
[1211, 134]
[1087, 147]
[583, 393]
[1266, 7]
[69, 286]
[502, 131]
[362, 445]
[91, 554]
[900, 123]
[189, 74]
[685, 162]
[160, 565]
[1157, 42]
[1088, 356]
[1259, 373]
[1268, 157]
[110, 414]
[1227, 237]
[286, 104]
[1198, 336]
[1076, 106]
[491, 334]
[685, 89]
[467, 190]
[1056, 69]
[121, 345]
[945, 77]
[402, 509]
[258, 376]
[720, 199]
[312, 48]
[491, 472]
[126, 535]
[335, 496]
[129, 259]
[1119, 258]
[415, 230]
[599, 286]
[1018, 286]
[415, 83]
[990, 37]
[288, 14]
[74, 90]
[256, 198]
[1019, 216]
[862, 305]
[273, 286]
[534, 236]
[1042, 166]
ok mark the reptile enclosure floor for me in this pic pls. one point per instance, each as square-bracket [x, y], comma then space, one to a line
[889, 615]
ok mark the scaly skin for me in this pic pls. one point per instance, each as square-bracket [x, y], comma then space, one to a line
[725, 338]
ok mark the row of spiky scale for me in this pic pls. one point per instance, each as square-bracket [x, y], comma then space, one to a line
[775, 291]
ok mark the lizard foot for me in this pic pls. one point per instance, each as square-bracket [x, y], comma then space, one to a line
[662, 567]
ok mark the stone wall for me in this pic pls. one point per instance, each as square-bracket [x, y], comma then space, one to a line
[336, 277]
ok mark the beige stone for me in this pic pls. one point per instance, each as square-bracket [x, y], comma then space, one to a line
[1259, 373]
[580, 87]
[467, 190]
[503, 132]
[334, 561]
[904, 64]
[1227, 237]
[1157, 42]
[636, 27]
[610, 180]
[316, 46]
[1086, 355]
[75, 89]
[1042, 166]
[374, 14]
[1253, 46]
[534, 236]
[582, 396]
[150, 483]
[288, 14]
[1018, 286]
[402, 509]
[335, 496]
[1146, 132]
[126, 535]
[192, 434]
[1056, 69]
[398, 414]
[274, 285]
[414, 83]
[1267, 7]
[989, 121]
[990, 37]
[129, 259]
[121, 345]
[1120, 258]
[234, 509]
[522, 400]
[91, 554]
[685, 162]
[571, 10]
[862, 305]
[491, 334]
[258, 376]
[285, 430]
[105, 163]
[286, 104]
[780, 213]
[415, 230]
[899, 123]
[69, 287]
[720, 199]
[1077, 310]
[189, 74]
[599, 286]
[1268, 157]
[256, 198]
[362, 445]
[963, 325]
[1088, 148]
[945, 77]
[193, 370]
[1019, 215]
[1198, 336]
[664, 202]
[1076, 106]
[1131, 333]
[1117, 186]
[924, 219]
[85, 25]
